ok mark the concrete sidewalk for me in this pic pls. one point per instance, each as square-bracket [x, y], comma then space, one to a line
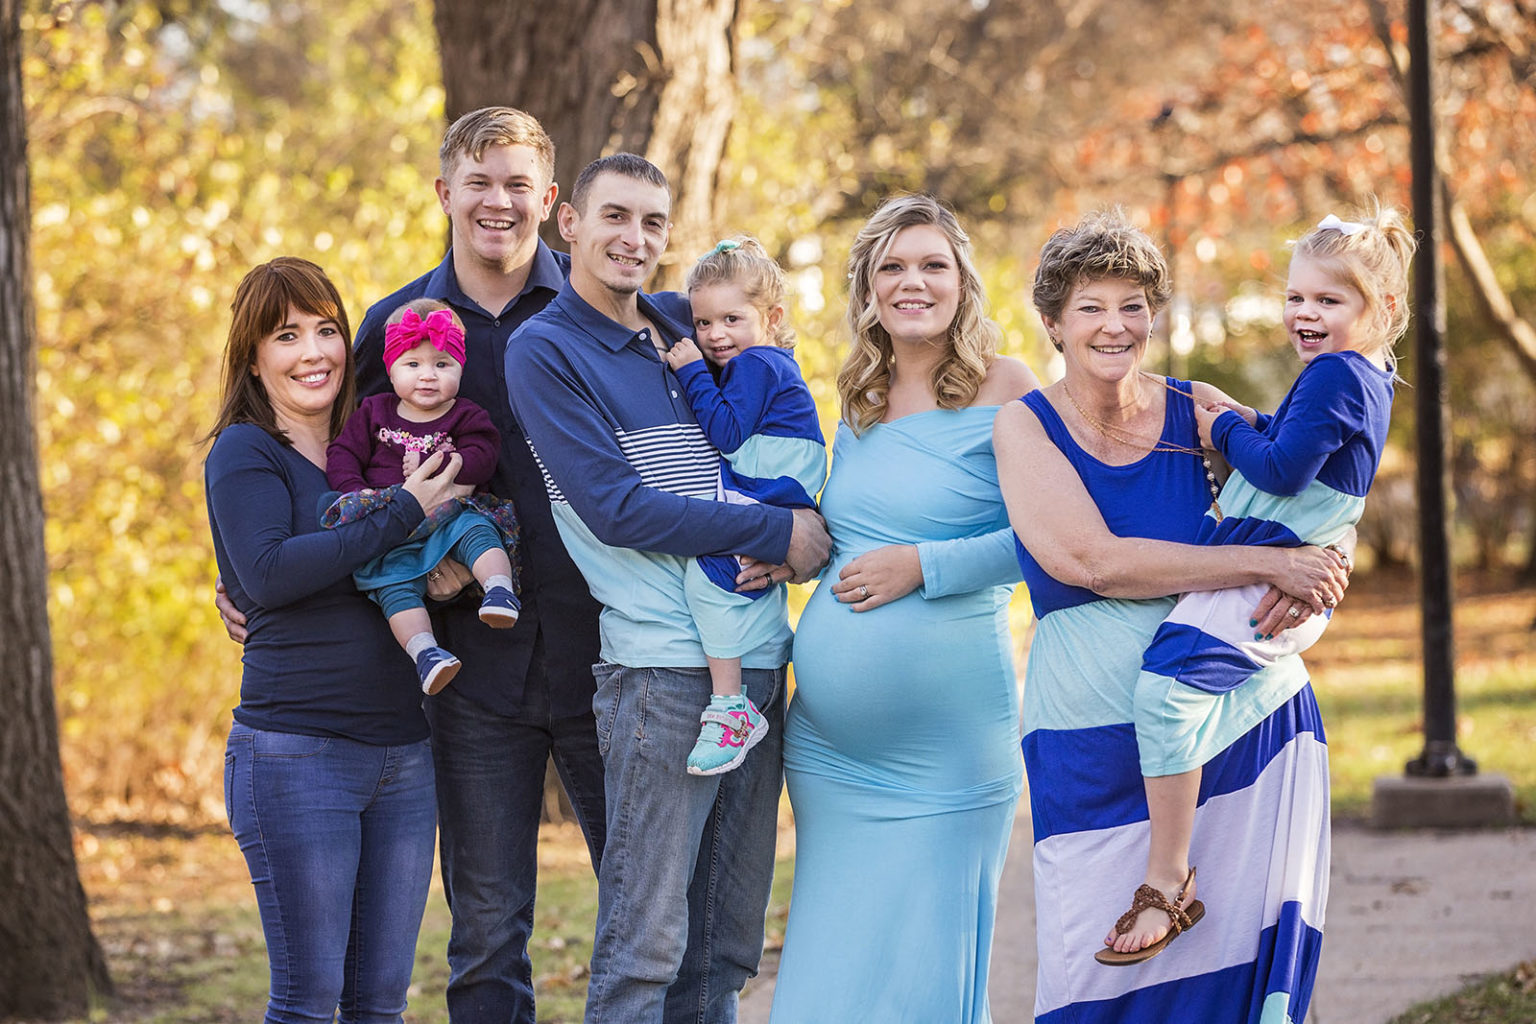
[1411, 916]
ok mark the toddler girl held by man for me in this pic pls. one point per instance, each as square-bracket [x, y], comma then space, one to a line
[761, 416]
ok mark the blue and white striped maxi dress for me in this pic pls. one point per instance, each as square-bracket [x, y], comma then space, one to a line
[1261, 835]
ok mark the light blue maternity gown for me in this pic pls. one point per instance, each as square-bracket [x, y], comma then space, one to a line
[902, 741]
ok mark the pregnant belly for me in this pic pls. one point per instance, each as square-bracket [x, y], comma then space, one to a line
[919, 687]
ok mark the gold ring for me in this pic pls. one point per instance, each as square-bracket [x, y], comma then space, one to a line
[434, 575]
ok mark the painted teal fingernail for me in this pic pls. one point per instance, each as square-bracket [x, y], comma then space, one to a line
[1269, 636]
[1258, 636]
[1253, 622]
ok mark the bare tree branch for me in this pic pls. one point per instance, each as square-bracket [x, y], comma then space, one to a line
[1514, 330]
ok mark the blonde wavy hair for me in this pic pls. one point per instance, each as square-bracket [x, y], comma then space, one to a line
[863, 383]
[1372, 256]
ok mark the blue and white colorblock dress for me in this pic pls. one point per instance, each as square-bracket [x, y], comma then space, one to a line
[1261, 834]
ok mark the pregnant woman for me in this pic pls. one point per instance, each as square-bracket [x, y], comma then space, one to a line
[901, 744]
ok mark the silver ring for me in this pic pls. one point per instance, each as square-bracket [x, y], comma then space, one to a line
[1294, 613]
[863, 592]
[434, 575]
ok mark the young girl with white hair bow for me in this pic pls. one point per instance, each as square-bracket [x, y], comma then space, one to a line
[1300, 476]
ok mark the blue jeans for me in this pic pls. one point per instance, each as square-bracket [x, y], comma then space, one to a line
[338, 838]
[490, 782]
[684, 883]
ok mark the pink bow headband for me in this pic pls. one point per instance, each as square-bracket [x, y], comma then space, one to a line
[438, 327]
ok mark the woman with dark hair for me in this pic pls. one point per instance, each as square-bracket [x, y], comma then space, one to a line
[901, 743]
[328, 773]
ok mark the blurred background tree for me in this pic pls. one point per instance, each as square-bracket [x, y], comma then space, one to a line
[50, 963]
[174, 144]
[607, 76]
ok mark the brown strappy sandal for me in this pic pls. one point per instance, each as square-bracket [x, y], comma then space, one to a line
[1179, 921]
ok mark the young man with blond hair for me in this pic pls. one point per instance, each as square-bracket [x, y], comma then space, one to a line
[524, 695]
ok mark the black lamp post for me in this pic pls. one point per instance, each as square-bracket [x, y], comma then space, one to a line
[1440, 757]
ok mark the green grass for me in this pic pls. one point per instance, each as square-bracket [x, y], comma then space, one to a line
[1508, 998]
[1369, 683]
[177, 919]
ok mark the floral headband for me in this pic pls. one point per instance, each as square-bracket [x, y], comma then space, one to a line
[438, 327]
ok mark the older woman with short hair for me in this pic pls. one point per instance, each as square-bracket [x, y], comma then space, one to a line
[1106, 485]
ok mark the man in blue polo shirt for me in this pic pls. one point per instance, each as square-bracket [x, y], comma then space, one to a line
[685, 875]
[524, 694]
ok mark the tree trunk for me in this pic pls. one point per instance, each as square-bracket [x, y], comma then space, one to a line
[50, 964]
[1516, 332]
[605, 76]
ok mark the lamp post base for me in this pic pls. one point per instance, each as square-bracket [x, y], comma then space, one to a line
[1446, 801]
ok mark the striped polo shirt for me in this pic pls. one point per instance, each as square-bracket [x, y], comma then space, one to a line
[631, 478]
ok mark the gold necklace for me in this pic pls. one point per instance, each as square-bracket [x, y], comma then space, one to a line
[1134, 440]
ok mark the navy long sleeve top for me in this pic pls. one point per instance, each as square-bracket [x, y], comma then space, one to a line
[1330, 427]
[320, 659]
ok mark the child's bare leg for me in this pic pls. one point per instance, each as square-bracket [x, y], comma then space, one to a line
[724, 676]
[1171, 801]
[410, 623]
[492, 563]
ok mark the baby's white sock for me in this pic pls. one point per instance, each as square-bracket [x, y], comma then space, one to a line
[498, 581]
[420, 642]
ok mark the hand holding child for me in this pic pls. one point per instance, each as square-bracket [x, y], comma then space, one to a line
[433, 483]
[1205, 417]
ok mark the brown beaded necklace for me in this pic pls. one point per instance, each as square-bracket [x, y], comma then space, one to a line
[1122, 436]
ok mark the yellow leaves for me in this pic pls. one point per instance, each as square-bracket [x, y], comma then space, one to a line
[51, 215]
[163, 166]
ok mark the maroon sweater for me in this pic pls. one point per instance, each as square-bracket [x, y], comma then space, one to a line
[370, 448]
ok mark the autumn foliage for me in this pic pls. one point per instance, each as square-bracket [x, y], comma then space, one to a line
[173, 145]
